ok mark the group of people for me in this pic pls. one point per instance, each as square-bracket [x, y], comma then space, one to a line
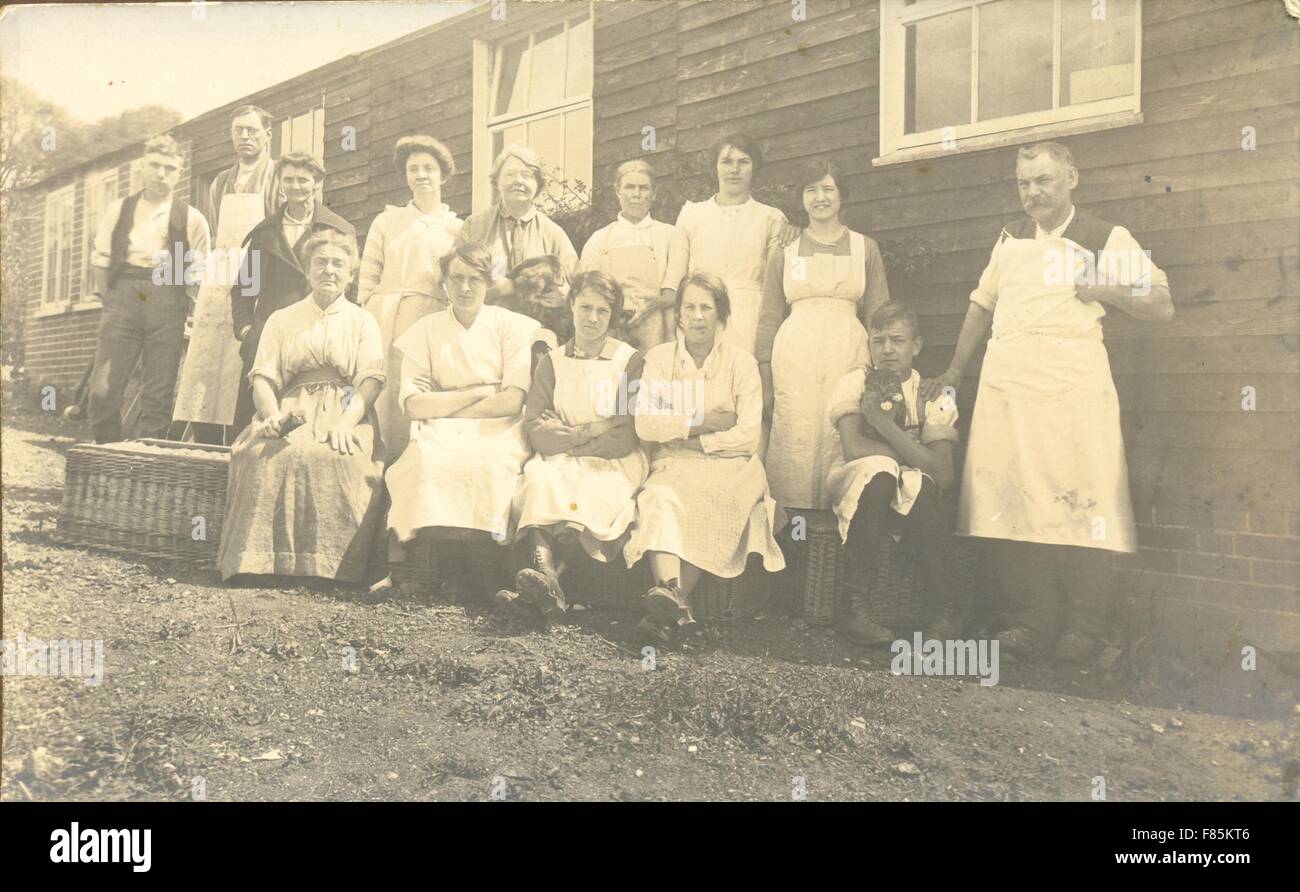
[674, 392]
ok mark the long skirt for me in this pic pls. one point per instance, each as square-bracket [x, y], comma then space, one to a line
[710, 511]
[593, 496]
[457, 473]
[295, 507]
[815, 347]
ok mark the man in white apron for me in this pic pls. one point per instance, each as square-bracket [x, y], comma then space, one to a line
[1045, 471]
[239, 198]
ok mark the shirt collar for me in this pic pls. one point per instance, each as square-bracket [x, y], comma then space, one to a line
[336, 307]
[606, 352]
[687, 363]
[646, 222]
[731, 208]
[525, 218]
[1056, 233]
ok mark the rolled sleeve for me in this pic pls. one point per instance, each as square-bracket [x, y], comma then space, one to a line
[102, 254]
[940, 422]
[200, 239]
[267, 362]
[846, 398]
[372, 261]
[678, 257]
[986, 292]
[1124, 262]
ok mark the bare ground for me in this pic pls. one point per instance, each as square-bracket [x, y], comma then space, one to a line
[446, 704]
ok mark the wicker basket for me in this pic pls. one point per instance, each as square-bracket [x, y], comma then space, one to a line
[418, 568]
[141, 497]
[719, 600]
[823, 570]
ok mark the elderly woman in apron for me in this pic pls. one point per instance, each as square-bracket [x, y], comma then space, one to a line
[1045, 468]
[465, 373]
[731, 236]
[400, 278]
[579, 488]
[646, 257]
[831, 279]
[705, 507]
[305, 496]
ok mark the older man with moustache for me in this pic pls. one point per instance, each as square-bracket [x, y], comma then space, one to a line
[1045, 470]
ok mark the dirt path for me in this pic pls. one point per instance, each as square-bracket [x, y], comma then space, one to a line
[444, 704]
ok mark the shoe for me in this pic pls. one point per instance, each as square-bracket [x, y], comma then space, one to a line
[1076, 647]
[651, 631]
[861, 629]
[664, 603]
[506, 599]
[1019, 641]
[539, 586]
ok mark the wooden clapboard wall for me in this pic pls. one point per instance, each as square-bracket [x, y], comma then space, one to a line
[1216, 487]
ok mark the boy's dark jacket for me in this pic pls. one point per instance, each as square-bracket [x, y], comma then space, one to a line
[282, 280]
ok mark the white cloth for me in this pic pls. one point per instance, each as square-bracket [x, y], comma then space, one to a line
[712, 508]
[820, 341]
[596, 496]
[210, 378]
[644, 258]
[1046, 457]
[733, 243]
[846, 480]
[461, 472]
[400, 282]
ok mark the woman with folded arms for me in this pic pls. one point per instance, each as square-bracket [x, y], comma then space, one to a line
[304, 497]
[579, 489]
[465, 373]
[705, 507]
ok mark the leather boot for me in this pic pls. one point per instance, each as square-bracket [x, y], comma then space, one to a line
[857, 624]
[539, 585]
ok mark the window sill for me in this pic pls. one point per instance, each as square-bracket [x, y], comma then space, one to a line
[1011, 138]
[61, 309]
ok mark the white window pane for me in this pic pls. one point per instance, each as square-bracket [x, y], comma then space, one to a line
[548, 68]
[1015, 61]
[937, 77]
[1096, 56]
[577, 146]
[579, 74]
[510, 93]
[546, 137]
[302, 133]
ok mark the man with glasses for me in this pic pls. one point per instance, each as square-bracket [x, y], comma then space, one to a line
[240, 197]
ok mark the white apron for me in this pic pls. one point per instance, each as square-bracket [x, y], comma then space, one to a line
[1046, 457]
[596, 496]
[212, 371]
[820, 341]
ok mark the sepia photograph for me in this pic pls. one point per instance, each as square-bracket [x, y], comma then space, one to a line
[649, 401]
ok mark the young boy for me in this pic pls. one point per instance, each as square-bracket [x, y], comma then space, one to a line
[886, 466]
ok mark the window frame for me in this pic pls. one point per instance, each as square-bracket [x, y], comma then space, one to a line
[487, 64]
[896, 146]
[64, 197]
[317, 113]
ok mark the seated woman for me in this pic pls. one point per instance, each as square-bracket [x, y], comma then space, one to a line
[304, 497]
[464, 377]
[706, 506]
[580, 487]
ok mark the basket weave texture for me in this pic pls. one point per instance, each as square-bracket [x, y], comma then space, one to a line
[150, 498]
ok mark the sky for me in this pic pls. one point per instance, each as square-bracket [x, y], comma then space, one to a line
[100, 60]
